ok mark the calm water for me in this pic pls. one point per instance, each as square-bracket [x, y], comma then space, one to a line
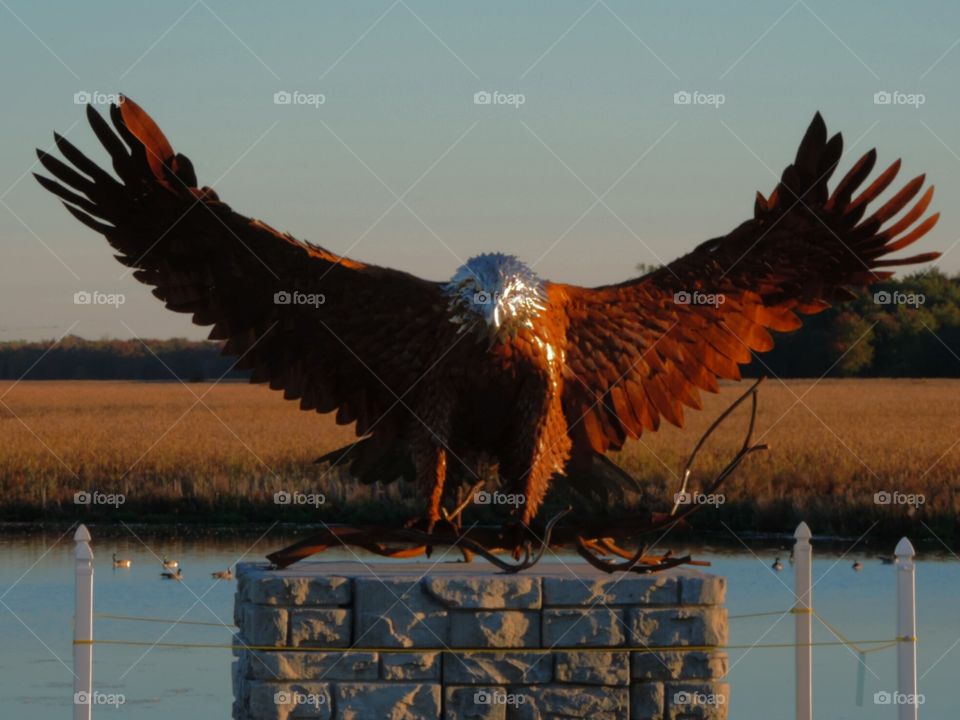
[36, 588]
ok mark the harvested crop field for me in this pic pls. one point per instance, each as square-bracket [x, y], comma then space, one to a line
[228, 447]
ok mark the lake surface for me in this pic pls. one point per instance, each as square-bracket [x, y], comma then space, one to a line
[36, 606]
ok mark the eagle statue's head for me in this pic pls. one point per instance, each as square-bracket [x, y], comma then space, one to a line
[496, 293]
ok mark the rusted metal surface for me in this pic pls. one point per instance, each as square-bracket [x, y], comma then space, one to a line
[517, 546]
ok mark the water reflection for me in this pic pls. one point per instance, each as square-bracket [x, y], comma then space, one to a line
[36, 590]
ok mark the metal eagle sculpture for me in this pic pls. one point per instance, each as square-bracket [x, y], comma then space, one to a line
[542, 378]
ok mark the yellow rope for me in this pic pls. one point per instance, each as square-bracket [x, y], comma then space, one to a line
[791, 611]
[843, 640]
[171, 621]
[604, 649]
[106, 616]
[856, 646]
[758, 614]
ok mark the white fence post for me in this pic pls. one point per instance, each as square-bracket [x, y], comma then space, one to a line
[803, 621]
[83, 626]
[906, 631]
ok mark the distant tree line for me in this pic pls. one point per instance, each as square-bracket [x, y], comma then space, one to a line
[905, 327]
[908, 327]
[74, 358]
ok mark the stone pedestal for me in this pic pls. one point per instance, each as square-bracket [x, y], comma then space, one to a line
[459, 641]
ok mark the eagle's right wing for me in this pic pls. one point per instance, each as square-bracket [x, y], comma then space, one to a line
[641, 350]
[329, 331]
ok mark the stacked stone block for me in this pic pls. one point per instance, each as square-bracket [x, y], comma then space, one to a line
[463, 642]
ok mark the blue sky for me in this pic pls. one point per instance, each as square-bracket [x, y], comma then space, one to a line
[598, 120]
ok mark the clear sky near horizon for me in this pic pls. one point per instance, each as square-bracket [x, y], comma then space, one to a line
[597, 170]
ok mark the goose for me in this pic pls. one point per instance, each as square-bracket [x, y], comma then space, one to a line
[178, 575]
[777, 565]
[223, 574]
[169, 564]
[857, 566]
[121, 563]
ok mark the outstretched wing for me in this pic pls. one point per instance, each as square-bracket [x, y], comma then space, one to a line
[331, 332]
[641, 350]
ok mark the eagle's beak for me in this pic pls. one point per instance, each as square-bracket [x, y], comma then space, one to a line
[490, 310]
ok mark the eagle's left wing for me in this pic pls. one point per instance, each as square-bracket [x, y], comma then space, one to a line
[332, 332]
[638, 351]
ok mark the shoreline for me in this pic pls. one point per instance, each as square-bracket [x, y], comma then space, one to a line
[723, 543]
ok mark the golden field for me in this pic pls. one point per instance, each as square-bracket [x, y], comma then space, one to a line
[834, 443]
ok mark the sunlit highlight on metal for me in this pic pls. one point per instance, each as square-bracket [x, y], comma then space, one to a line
[498, 288]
